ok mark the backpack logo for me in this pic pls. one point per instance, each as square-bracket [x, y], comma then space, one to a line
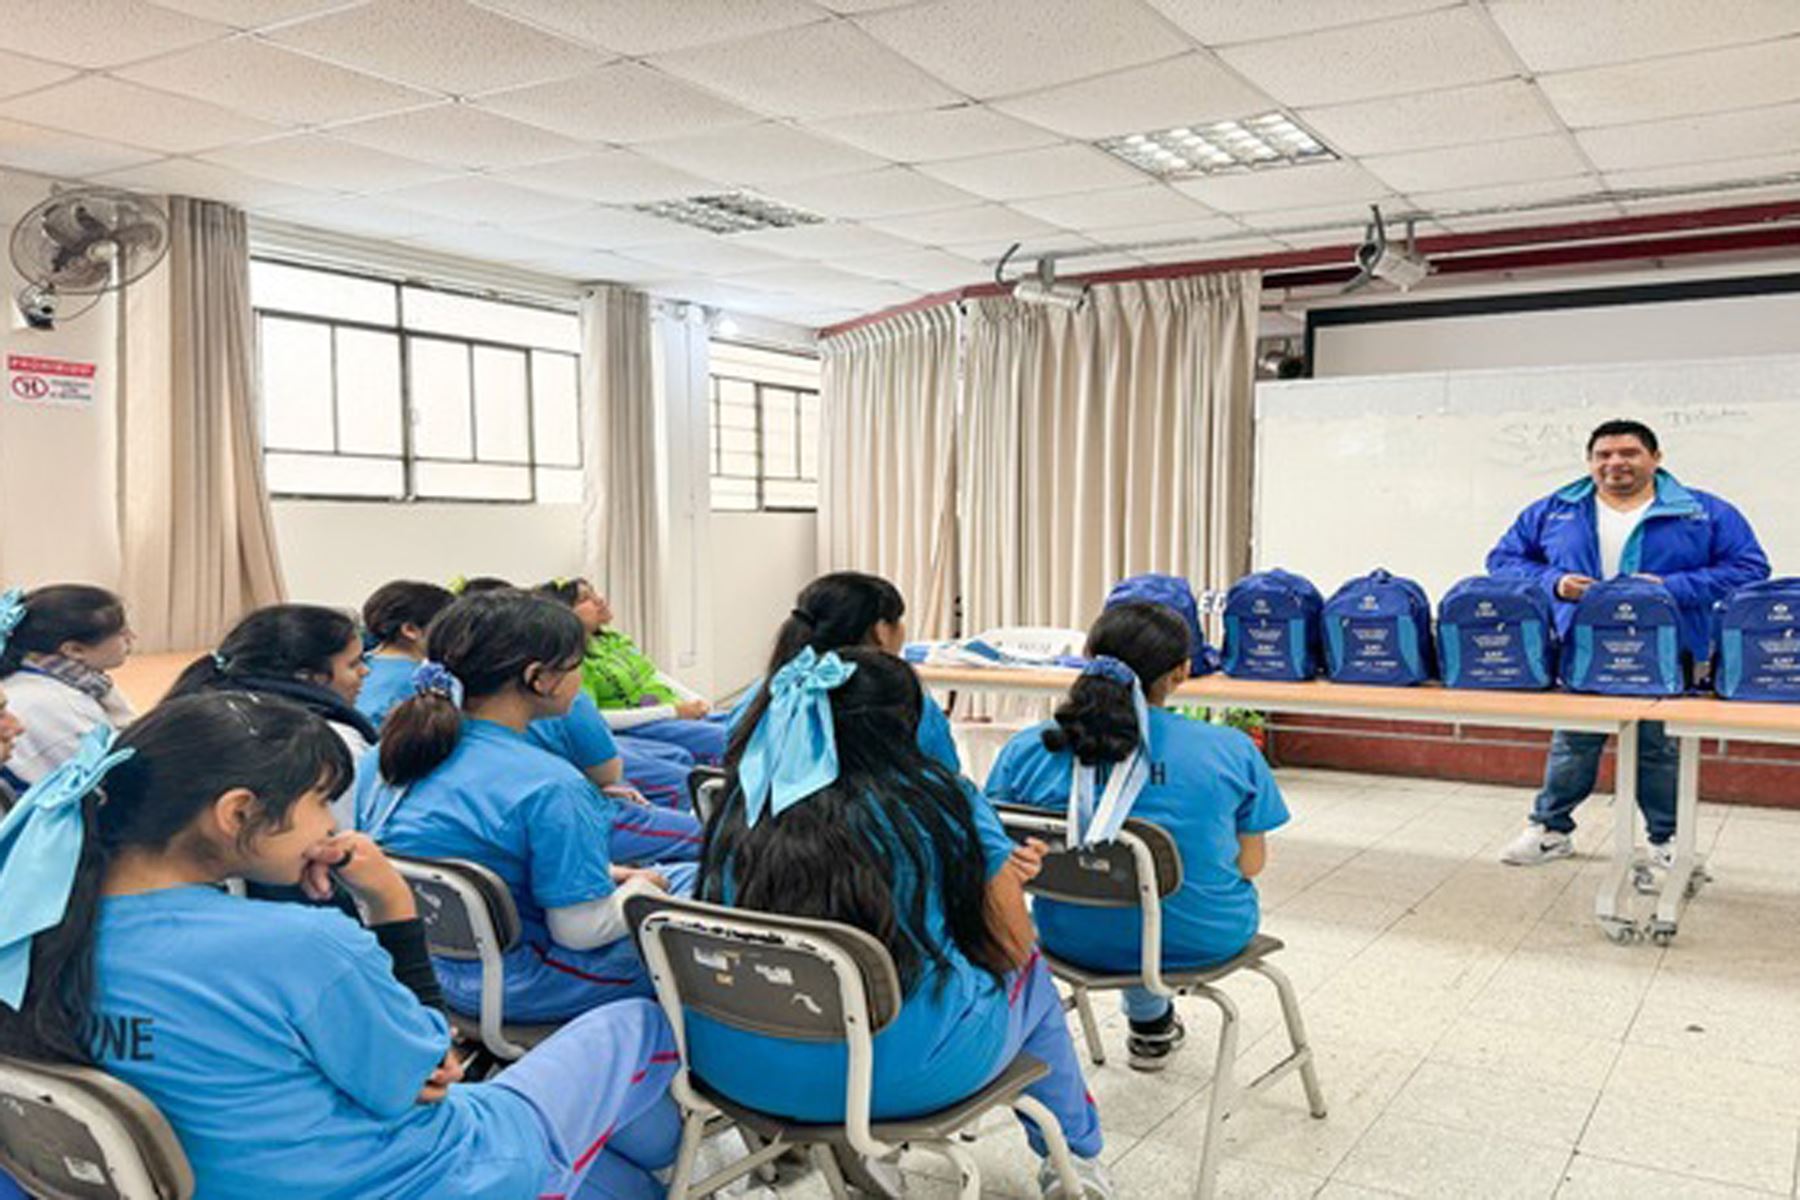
[1369, 602]
[1625, 612]
[1260, 608]
[1485, 609]
[1780, 610]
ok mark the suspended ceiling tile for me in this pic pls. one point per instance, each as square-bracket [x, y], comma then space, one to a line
[710, 254]
[446, 45]
[1734, 198]
[190, 177]
[1216, 24]
[931, 270]
[1223, 248]
[1189, 90]
[611, 177]
[1408, 54]
[990, 48]
[1485, 112]
[1053, 170]
[1556, 37]
[623, 102]
[486, 242]
[475, 198]
[319, 160]
[48, 152]
[461, 136]
[988, 223]
[1474, 165]
[254, 14]
[19, 74]
[891, 191]
[362, 216]
[608, 229]
[1572, 190]
[1330, 216]
[1143, 204]
[829, 69]
[95, 34]
[252, 76]
[598, 265]
[1714, 81]
[1285, 187]
[639, 27]
[759, 154]
[1737, 170]
[1139, 238]
[109, 109]
[959, 131]
[832, 240]
[1748, 134]
[1568, 215]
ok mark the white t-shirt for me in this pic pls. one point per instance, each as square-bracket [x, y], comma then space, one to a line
[1615, 527]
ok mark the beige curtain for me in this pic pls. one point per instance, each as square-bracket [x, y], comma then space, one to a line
[622, 508]
[198, 538]
[1103, 443]
[887, 477]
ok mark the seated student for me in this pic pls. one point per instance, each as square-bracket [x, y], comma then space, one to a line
[635, 696]
[394, 617]
[310, 655]
[456, 776]
[11, 786]
[835, 813]
[280, 1041]
[846, 609]
[57, 644]
[1113, 752]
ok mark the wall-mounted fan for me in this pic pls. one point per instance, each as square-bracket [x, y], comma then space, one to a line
[84, 241]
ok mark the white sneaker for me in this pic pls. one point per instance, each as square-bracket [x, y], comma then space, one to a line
[1537, 845]
[1662, 855]
[1096, 1184]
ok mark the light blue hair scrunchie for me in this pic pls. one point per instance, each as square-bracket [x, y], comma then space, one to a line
[1099, 819]
[12, 612]
[40, 847]
[792, 752]
[435, 679]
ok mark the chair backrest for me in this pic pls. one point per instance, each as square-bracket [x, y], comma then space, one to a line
[706, 791]
[76, 1133]
[786, 977]
[465, 906]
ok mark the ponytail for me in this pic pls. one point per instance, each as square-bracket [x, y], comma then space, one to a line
[61, 612]
[838, 611]
[279, 641]
[1097, 723]
[417, 736]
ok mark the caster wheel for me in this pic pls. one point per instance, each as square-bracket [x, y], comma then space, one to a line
[1662, 934]
[1622, 933]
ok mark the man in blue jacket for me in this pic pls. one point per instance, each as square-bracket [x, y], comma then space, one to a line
[1629, 517]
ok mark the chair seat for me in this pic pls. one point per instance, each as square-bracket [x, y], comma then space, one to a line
[522, 1035]
[938, 1126]
[1260, 947]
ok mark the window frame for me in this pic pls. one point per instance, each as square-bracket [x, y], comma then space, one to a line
[714, 407]
[408, 458]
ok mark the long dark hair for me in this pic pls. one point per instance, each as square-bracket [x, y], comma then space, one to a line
[563, 591]
[834, 612]
[58, 613]
[820, 858]
[1098, 721]
[190, 751]
[400, 603]
[280, 642]
[487, 641]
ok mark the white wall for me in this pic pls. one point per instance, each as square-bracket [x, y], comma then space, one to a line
[337, 552]
[58, 519]
[760, 561]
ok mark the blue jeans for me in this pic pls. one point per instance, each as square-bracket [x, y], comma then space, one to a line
[1574, 764]
[1143, 1006]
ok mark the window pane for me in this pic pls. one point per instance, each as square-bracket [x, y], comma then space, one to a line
[558, 486]
[739, 441]
[296, 384]
[737, 393]
[809, 435]
[555, 410]
[471, 481]
[737, 464]
[502, 415]
[321, 293]
[491, 320]
[765, 366]
[734, 495]
[332, 475]
[790, 494]
[440, 399]
[368, 392]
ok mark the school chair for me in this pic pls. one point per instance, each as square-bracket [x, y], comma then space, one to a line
[812, 981]
[469, 916]
[706, 788]
[75, 1133]
[1137, 870]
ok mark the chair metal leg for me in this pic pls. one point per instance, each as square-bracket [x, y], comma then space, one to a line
[1302, 1056]
[828, 1167]
[1090, 1028]
[1060, 1156]
[693, 1132]
[1224, 1096]
[968, 1175]
[767, 1172]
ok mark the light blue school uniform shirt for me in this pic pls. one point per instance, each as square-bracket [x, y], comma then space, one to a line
[580, 736]
[945, 1045]
[388, 682]
[1208, 784]
[288, 1059]
[935, 738]
[537, 823]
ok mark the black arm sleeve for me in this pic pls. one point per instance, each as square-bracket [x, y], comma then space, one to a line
[405, 943]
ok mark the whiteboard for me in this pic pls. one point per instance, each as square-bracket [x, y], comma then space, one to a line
[1422, 473]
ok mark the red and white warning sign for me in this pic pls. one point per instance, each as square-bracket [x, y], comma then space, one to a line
[31, 379]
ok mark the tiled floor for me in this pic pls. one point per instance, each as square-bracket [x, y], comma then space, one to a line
[1477, 1036]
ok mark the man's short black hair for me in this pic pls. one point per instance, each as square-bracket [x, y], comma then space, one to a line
[1636, 429]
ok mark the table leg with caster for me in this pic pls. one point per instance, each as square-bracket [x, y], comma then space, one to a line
[1687, 873]
[1612, 906]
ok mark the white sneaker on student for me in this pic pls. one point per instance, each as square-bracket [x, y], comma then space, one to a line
[1662, 855]
[1096, 1184]
[1537, 845]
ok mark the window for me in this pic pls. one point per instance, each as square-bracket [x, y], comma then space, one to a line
[765, 430]
[373, 389]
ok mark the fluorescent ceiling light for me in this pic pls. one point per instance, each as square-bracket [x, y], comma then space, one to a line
[1256, 143]
[730, 212]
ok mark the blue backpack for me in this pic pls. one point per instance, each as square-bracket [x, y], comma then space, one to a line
[1756, 642]
[1176, 593]
[1378, 630]
[1625, 640]
[1495, 632]
[1272, 627]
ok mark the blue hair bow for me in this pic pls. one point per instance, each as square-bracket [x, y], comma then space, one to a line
[1092, 820]
[435, 679]
[792, 752]
[12, 611]
[40, 847]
